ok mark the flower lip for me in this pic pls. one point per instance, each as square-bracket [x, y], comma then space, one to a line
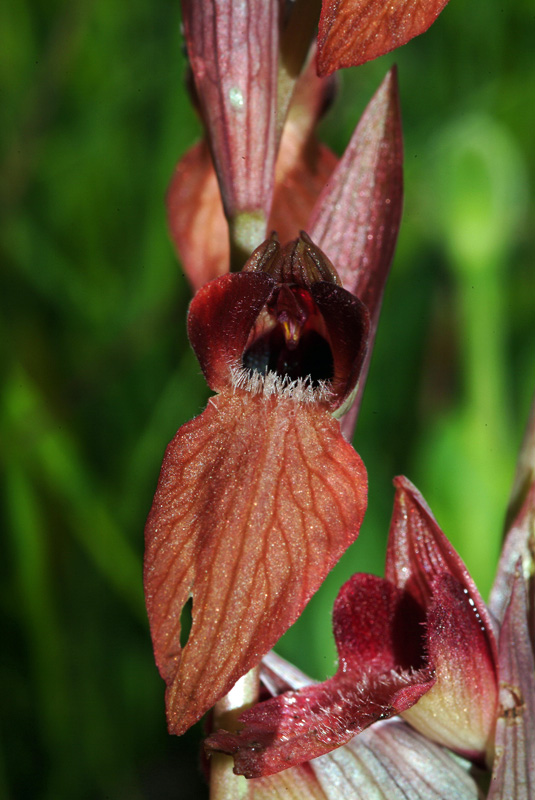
[283, 325]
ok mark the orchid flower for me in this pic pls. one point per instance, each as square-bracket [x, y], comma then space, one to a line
[260, 495]
[420, 643]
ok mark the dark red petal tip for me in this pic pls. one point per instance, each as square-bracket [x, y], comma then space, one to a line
[352, 32]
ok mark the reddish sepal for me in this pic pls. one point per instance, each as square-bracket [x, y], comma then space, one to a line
[418, 553]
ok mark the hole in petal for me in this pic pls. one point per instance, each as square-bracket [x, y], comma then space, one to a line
[186, 618]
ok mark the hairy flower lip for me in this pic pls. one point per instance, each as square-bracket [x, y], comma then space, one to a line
[312, 721]
[223, 530]
[224, 313]
[380, 762]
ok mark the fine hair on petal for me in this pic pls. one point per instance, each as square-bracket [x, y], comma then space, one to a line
[270, 383]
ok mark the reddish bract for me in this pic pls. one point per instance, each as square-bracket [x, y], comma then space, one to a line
[442, 675]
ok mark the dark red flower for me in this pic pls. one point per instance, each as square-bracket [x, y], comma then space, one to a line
[260, 495]
[419, 642]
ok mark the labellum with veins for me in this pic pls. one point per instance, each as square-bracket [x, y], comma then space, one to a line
[260, 495]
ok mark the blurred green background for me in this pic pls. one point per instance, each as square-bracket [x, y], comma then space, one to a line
[97, 373]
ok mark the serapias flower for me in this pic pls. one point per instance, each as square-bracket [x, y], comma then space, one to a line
[260, 495]
[420, 634]
[387, 761]
[422, 643]
[354, 217]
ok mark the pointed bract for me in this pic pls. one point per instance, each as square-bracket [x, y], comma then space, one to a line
[248, 524]
[356, 218]
[519, 545]
[525, 469]
[195, 218]
[520, 534]
[418, 553]
[233, 52]
[461, 645]
[352, 32]
[513, 773]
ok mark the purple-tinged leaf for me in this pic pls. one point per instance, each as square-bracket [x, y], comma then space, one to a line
[356, 218]
[391, 761]
[514, 762]
[520, 533]
[525, 469]
[233, 51]
[352, 32]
